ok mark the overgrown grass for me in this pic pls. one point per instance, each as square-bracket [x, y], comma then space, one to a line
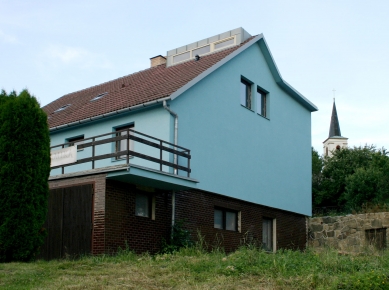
[193, 268]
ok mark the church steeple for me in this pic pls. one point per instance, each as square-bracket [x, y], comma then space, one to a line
[335, 141]
[334, 125]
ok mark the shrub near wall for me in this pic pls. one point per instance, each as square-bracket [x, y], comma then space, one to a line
[24, 170]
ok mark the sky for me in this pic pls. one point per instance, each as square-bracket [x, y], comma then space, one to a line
[322, 48]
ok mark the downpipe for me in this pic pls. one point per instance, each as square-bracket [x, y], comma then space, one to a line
[175, 132]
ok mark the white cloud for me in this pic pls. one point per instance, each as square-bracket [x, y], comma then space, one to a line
[7, 38]
[80, 57]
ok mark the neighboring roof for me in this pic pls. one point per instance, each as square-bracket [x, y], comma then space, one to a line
[334, 125]
[150, 86]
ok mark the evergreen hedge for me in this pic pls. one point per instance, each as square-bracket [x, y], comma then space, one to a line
[24, 172]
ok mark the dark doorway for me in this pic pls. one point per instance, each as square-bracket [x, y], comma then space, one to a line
[68, 222]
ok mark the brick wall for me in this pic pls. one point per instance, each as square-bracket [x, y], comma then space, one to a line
[98, 235]
[197, 208]
[141, 234]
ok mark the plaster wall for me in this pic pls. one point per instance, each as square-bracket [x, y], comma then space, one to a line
[236, 151]
[156, 122]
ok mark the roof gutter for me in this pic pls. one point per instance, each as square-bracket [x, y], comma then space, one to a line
[110, 114]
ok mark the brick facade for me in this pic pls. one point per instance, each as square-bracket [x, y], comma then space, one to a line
[197, 208]
[122, 226]
[116, 225]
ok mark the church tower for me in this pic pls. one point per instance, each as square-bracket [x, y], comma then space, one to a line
[335, 141]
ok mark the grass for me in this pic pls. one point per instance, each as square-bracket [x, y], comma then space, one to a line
[192, 268]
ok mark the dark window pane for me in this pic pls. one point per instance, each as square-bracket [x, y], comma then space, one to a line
[142, 205]
[267, 234]
[231, 221]
[218, 219]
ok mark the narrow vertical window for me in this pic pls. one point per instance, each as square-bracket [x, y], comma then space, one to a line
[262, 102]
[124, 144]
[245, 94]
[142, 205]
[267, 234]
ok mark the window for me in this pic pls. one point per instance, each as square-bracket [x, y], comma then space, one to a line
[142, 205]
[267, 234]
[376, 238]
[245, 94]
[62, 108]
[225, 219]
[98, 97]
[262, 102]
[122, 145]
[75, 141]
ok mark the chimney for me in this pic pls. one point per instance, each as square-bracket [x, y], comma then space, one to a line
[157, 60]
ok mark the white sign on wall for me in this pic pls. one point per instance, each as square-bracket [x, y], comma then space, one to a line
[63, 156]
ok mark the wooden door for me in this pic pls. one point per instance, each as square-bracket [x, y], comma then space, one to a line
[69, 222]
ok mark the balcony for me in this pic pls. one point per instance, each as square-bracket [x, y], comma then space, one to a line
[125, 155]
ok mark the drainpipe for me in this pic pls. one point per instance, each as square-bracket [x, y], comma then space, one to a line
[173, 210]
[175, 132]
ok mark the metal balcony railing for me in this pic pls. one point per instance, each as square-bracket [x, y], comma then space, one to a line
[130, 137]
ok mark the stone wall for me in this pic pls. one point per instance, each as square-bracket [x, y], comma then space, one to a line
[350, 233]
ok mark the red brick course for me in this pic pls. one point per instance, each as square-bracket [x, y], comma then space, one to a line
[197, 208]
[115, 224]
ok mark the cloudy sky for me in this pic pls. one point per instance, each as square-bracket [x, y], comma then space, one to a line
[57, 47]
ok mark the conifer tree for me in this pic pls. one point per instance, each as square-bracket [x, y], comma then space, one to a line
[24, 172]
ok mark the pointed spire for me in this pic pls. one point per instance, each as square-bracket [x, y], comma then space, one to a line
[334, 126]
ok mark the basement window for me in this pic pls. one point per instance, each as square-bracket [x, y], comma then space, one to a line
[62, 108]
[376, 238]
[98, 97]
[225, 219]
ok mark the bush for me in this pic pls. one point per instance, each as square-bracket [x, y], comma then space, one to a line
[24, 171]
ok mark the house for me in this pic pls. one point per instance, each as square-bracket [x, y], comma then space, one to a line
[210, 134]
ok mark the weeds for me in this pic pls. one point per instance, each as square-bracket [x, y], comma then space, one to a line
[192, 267]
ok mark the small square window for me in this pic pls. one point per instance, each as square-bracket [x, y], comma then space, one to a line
[267, 234]
[142, 205]
[245, 94]
[75, 141]
[262, 102]
[225, 219]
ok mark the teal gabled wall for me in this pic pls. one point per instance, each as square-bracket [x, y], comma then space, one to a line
[238, 153]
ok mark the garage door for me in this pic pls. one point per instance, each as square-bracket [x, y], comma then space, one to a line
[69, 222]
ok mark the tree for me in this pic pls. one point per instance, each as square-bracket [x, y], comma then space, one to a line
[24, 172]
[354, 176]
[317, 166]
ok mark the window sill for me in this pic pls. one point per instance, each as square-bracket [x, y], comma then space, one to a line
[263, 117]
[247, 108]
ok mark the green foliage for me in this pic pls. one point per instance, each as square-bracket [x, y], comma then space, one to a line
[179, 238]
[246, 268]
[317, 166]
[353, 177]
[24, 171]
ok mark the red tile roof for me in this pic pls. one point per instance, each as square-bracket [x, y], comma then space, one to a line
[138, 88]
